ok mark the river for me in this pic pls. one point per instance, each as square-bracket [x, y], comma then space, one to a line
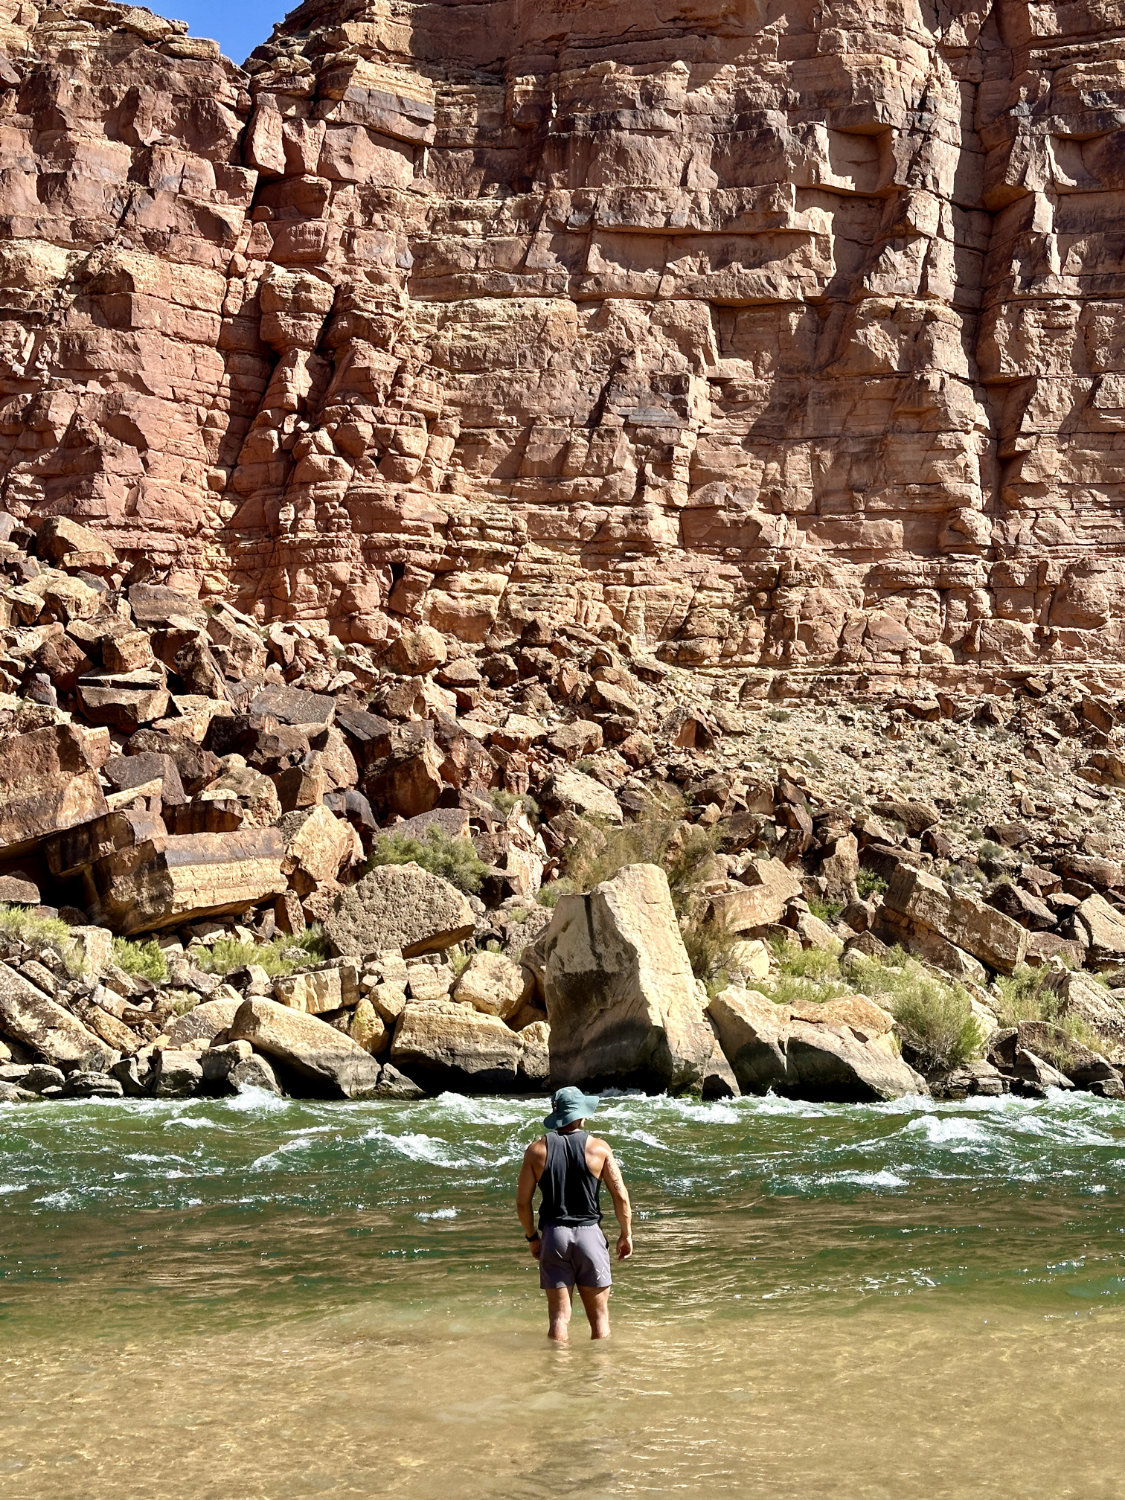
[260, 1299]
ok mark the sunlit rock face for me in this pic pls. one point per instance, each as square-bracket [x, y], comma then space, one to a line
[775, 334]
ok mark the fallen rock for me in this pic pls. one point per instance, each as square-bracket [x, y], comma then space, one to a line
[33, 1018]
[253, 1072]
[758, 899]
[1103, 928]
[622, 1002]
[492, 983]
[842, 1050]
[310, 1046]
[443, 1045]
[917, 901]
[402, 907]
[319, 990]
[47, 784]
[203, 1023]
[574, 791]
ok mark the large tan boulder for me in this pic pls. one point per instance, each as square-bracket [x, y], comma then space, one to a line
[29, 1016]
[47, 784]
[329, 1058]
[842, 1050]
[622, 1002]
[318, 848]
[492, 983]
[759, 899]
[318, 990]
[916, 901]
[443, 1045]
[402, 907]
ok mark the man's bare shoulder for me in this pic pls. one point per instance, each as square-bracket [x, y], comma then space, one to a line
[597, 1150]
[537, 1151]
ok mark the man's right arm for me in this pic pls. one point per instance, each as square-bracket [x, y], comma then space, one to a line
[611, 1176]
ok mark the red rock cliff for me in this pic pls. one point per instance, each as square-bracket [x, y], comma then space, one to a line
[783, 333]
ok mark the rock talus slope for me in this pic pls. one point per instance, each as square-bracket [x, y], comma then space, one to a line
[785, 335]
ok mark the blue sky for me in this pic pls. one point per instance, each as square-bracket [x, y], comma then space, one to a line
[238, 25]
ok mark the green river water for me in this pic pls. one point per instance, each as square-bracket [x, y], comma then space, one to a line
[260, 1299]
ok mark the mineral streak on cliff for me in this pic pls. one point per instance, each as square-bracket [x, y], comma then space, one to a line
[783, 333]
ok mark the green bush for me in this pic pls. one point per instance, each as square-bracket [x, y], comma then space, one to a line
[868, 884]
[659, 836]
[504, 801]
[935, 1017]
[827, 911]
[454, 860]
[801, 975]
[1025, 996]
[283, 955]
[144, 959]
[709, 947]
[27, 927]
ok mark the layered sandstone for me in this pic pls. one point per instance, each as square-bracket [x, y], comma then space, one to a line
[782, 334]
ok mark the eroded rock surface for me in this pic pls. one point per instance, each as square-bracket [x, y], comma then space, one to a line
[778, 334]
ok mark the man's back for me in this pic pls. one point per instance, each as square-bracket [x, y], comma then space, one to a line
[568, 1165]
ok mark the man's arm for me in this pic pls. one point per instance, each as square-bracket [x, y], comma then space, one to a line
[525, 1192]
[611, 1176]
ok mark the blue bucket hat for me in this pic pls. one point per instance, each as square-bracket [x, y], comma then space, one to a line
[568, 1105]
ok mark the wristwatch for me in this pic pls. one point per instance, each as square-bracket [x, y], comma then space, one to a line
[530, 1237]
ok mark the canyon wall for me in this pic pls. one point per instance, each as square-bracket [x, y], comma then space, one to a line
[783, 335]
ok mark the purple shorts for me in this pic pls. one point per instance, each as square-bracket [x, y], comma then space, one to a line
[573, 1253]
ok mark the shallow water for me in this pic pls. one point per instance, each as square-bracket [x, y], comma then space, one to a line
[263, 1300]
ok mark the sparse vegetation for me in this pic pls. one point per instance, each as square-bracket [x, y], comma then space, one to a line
[935, 1017]
[283, 955]
[1027, 996]
[146, 960]
[454, 860]
[709, 947]
[504, 802]
[28, 927]
[826, 911]
[868, 884]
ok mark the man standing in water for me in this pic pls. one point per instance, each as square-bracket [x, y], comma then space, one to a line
[569, 1167]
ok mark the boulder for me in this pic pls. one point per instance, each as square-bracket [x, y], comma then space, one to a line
[1023, 907]
[396, 1085]
[758, 899]
[368, 1028]
[535, 1056]
[622, 1002]
[123, 700]
[178, 1073]
[1103, 928]
[916, 901]
[752, 1032]
[492, 983]
[33, 1018]
[253, 1072]
[316, 849]
[172, 879]
[203, 1023]
[443, 1045]
[47, 783]
[316, 991]
[573, 791]
[325, 1056]
[843, 1050]
[402, 907]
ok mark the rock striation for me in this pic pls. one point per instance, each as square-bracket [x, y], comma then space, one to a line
[785, 336]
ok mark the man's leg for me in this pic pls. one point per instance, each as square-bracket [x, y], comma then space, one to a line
[595, 1299]
[558, 1310]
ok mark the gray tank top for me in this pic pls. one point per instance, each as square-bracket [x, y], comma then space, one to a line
[570, 1190]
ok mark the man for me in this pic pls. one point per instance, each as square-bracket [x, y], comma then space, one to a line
[569, 1166]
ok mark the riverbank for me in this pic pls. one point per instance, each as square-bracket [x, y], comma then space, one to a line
[333, 1298]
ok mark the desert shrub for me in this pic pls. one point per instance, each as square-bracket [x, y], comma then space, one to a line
[504, 801]
[42, 932]
[827, 911]
[935, 1017]
[1026, 996]
[282, 955]
[146, 959]
[709, 947]
[659, 836]
[454, 860]
[801, 975]
[868, 884]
